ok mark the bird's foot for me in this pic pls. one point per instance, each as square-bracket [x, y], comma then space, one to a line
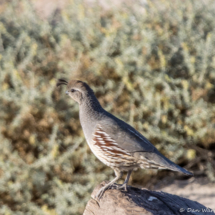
[100, 193]
[115, 186]
[122, 187]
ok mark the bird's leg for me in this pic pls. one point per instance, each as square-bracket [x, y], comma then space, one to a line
[124, 185]
[102, 190]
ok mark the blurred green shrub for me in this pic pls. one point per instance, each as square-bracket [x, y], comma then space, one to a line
[152, 65]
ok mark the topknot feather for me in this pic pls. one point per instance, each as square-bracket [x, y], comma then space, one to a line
[61, 82]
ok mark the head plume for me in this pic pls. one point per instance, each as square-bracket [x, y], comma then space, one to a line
[61, 82]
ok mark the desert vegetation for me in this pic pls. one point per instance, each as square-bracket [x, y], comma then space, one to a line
[152, 65]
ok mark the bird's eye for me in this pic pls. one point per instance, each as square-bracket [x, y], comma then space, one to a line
[72, 90]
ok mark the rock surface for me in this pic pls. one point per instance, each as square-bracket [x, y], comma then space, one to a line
[142, 202]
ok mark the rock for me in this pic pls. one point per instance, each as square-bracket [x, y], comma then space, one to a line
[142, 202]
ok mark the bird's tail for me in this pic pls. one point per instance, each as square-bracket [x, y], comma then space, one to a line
[180, 169]
[158, 161]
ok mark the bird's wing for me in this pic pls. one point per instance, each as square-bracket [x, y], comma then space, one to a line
[125, 136]
[117, 137]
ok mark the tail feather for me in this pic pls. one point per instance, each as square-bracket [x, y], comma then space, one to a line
[180, 169]
[156, 160]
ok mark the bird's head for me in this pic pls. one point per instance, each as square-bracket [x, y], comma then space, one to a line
[77, 90]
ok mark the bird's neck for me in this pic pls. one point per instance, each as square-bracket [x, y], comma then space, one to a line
[90, 113]
[90, 105]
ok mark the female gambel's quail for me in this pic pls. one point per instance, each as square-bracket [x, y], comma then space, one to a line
[114, 142]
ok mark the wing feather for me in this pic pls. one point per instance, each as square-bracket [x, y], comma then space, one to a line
[126, 137]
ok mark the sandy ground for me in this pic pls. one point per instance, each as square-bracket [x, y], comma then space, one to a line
[196, 189]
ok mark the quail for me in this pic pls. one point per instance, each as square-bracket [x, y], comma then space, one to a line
[114, 142]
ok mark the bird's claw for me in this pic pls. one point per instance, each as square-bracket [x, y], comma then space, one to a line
[122, 187]
[100, 193]
[114, 186]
